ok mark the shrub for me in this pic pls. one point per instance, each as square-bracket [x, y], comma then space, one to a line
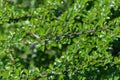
[59, 39]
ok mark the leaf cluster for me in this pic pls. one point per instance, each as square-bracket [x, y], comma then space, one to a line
[59, 39]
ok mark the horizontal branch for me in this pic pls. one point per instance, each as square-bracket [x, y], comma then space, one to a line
[70, 35]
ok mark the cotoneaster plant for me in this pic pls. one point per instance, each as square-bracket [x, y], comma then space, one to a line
[59, 39]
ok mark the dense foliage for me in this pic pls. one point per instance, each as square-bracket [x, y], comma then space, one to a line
[59, 39]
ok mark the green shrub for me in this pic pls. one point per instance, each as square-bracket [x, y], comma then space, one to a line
[59, 39]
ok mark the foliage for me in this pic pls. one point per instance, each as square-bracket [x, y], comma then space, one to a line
[59, 39]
